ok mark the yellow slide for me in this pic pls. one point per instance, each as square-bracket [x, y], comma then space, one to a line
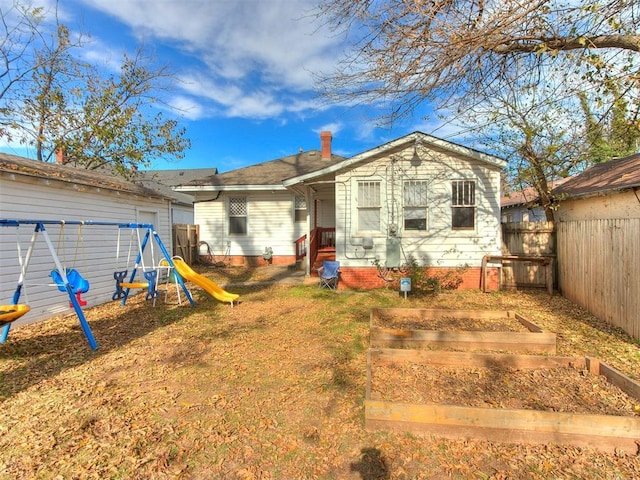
[207, 285]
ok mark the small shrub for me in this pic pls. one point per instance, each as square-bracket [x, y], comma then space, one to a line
[421, 280]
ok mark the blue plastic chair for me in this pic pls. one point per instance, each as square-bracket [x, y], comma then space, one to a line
[329, 274]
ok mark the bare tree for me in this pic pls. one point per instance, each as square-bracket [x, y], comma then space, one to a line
[19, 36]
[448, 52]
[511, 71]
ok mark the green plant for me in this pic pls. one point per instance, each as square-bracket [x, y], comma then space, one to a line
[422, 280]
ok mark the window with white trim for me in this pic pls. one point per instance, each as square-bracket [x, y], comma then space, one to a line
[238, 215]
[369, 205]
[415, 204]
[300, 208]
[463, 204]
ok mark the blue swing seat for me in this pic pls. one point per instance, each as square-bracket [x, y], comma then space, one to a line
[77, 282]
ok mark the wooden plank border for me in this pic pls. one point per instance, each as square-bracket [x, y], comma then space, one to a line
[606, 433]
[428, 313]
[390, 356]
[536, 340]
[601, 432]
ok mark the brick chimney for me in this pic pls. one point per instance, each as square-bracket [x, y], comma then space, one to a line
[61, 158]
[325, 142]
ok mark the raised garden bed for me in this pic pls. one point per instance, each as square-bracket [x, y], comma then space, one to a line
[458, 329]
[507, 398]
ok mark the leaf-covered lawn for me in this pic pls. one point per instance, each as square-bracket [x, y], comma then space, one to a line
[272, 388]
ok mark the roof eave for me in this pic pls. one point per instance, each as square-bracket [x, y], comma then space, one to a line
[146, 192]
[228, 188]
[560, 196]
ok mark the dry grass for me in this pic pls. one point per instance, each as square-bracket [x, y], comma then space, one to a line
[272, 388]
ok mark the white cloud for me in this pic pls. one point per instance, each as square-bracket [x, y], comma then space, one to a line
[238, 45]
[187, 107]
[333, 127]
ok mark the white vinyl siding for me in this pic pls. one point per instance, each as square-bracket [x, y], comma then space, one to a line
[443, 246]
[89, 249]
[270, 224]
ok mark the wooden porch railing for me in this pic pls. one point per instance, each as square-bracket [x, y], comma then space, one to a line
[319, 239]
[301, 247]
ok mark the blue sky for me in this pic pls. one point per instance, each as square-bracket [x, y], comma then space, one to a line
[245, 92]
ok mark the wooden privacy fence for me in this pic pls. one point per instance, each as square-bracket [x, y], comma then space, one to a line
[600, 268]
[185, 242]
[527, 239]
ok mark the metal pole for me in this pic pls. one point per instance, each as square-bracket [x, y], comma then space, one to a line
[23, 273]
[172, 265]
[72, 298]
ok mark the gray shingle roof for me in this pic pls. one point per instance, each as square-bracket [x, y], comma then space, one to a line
[163, 180]
[269, 173]
[616, 174]
[54, 171]
[175, 177]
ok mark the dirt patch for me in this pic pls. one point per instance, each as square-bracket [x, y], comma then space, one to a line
[272, 389]
[445, 323]
[552, 390]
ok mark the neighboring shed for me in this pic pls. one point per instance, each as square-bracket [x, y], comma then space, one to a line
[521, 206]
[37, 190]
[598, 236]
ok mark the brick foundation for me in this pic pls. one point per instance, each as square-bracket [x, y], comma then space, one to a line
[367, 277]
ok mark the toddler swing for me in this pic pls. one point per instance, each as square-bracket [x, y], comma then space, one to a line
[77, 282]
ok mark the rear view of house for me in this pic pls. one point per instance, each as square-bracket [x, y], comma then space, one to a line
[416, 197]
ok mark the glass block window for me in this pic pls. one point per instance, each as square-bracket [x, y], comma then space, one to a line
[415, 204]
[238, 215]
[463, 204]
[369, 205]
[300, 208]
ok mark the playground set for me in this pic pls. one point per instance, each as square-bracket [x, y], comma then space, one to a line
[72, 282]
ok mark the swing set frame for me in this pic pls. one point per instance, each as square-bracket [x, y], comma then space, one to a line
[39, 229]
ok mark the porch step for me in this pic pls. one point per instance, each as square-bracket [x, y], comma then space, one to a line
[324, 254]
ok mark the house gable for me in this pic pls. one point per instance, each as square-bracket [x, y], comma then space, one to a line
[420, 189]
[421, 143]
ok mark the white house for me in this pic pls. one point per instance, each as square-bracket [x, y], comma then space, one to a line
[417, 196]
[523, 205]
[50, 191]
